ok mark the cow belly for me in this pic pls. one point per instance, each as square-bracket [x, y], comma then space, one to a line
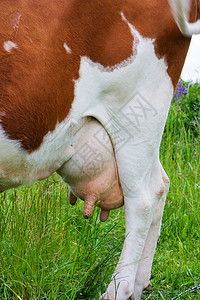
[92, 171]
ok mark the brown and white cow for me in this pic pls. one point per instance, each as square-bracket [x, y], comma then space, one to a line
[79, 75]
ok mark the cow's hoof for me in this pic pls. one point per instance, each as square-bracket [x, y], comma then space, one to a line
[131, 297]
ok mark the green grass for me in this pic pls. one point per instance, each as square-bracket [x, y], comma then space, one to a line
[47, 247]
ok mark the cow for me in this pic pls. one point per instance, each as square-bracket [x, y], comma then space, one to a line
[77, 74]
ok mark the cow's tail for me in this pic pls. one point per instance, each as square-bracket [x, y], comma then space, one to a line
[181, 10]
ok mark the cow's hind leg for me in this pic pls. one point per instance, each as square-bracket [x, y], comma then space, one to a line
[144, 268]
[140, 208]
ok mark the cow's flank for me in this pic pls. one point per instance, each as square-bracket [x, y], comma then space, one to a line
[85, 90]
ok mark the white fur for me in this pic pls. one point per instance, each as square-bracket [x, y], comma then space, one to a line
[144, 267]
[108, 96]
[9, 46]
[67, 48]
[181, 9]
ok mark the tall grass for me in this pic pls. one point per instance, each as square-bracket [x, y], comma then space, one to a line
[47, 247]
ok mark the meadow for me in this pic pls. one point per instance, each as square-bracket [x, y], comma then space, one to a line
[47, 247]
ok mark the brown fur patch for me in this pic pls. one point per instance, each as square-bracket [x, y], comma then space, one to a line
[37, 78]
[154, 19]
[165, 179]
[198, 9]
[161, 192]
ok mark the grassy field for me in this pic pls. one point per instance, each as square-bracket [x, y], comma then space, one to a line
[47, 247]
